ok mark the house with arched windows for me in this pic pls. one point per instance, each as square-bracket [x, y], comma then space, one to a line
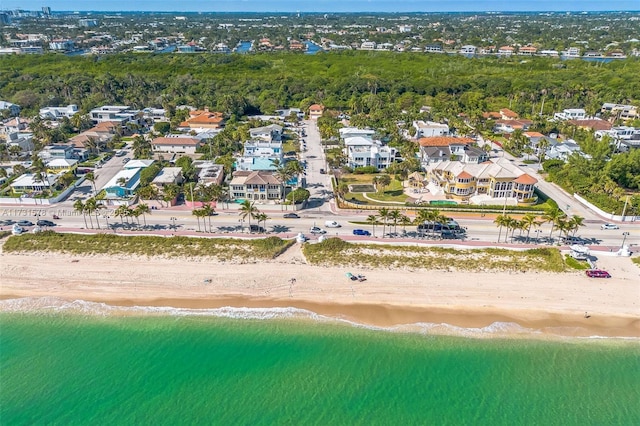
[492, 179]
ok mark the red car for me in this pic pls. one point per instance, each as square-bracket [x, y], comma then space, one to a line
[597, 273]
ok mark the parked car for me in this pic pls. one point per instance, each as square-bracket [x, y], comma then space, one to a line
[45, 223]
[332, 224]
[120, 153]
[256, 228]
[323, 171]
[25, 223]
[597, 273]
[125, 160]
[317, 231]
[609, 226]
[290, 216]
[361, 232]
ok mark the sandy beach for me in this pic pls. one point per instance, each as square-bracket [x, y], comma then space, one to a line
[549, 303]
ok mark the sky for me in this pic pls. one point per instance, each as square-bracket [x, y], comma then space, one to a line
[324, 5]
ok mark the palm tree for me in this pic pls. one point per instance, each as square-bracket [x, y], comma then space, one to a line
[91, 206]
[207, 211]
[79, 207]
[395, 215]
[248, 210]
[528, 220]
[404, 221]
[501, 220]
[383, 213]
[372, 220]
[143, 209]
[552, 215]
[422, 217]
[262, 217]
[197, 213]
[91, 177]
[122, 212]
[576, 222]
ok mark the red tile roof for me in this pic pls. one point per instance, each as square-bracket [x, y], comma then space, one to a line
[444, 141]
[526, 179]
[176, 141]
[464, 175]
[593, 123]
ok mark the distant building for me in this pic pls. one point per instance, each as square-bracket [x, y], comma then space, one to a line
[115, 114]
[176, 144]
[468, 50]
[168, 176]
[624, 112]
[56, 113]
[88, 23]
[260, 155]
[316, 111]
[14, 110]
[61, 45]
[203, 119]
[426, 129]
[571, 114]
[364, 152]
[441, 148]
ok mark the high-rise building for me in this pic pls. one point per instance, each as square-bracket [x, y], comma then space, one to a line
[5, 18]
[46, 10]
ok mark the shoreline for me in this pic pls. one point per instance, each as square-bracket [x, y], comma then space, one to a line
[524, 304]
[434, 320]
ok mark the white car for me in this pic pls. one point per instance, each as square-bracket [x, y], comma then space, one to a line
[609, 226]
[317, 231]
[332, 224]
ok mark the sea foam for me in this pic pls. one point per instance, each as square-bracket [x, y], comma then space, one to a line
[54, 305]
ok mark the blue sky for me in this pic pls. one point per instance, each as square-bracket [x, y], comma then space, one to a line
[324, 5]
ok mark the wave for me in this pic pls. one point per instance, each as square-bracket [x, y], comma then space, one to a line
[54, 305]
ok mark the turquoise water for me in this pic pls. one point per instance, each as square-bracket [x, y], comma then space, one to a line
[77, 369]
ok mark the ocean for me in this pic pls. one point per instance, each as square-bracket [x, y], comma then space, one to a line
[88, 366]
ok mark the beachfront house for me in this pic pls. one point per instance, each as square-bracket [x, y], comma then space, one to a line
[259, 155]
[256, 186]
[364, 152]
[122, 186]
[28, 183]
[489, 181]
[425, 129]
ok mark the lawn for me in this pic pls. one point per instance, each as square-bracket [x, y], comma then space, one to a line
[392, 193]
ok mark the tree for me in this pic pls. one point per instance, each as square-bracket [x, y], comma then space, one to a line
[372, 220]
[91, 177]
[528, 220]
[248, 210]
[122, 212]
[381, 182]
[208, 211]
[501, 220]
[552, 215]
[91, 206]
[575, 223]
[383, 213]
[395, 216]
[79, 207]
[262, 217]
[404, 221]
[198, 214]
[143, 209]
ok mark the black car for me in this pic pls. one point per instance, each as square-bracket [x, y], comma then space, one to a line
[25, 223]
[290, 216]
[45, 223]
[256, 228]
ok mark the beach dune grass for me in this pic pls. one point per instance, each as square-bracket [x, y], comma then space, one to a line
[225, 249]
[336, 252]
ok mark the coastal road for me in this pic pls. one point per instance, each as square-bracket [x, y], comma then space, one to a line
[318, 184]
[228, 221]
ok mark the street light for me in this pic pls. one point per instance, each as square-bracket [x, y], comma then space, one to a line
[538, 231]
[624, 238]
[106, 218]
[173, 222]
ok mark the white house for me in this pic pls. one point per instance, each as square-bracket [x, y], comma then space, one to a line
[352, 132]
[363, 152]
[425, 129]
[272, 132]
[176, 144]
[468, 50]
[259, 155]
[56, 113]
[114, 113]
[28, 183]
[14, 110]
[571, 114]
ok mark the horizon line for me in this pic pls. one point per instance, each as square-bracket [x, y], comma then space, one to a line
[338, 13]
